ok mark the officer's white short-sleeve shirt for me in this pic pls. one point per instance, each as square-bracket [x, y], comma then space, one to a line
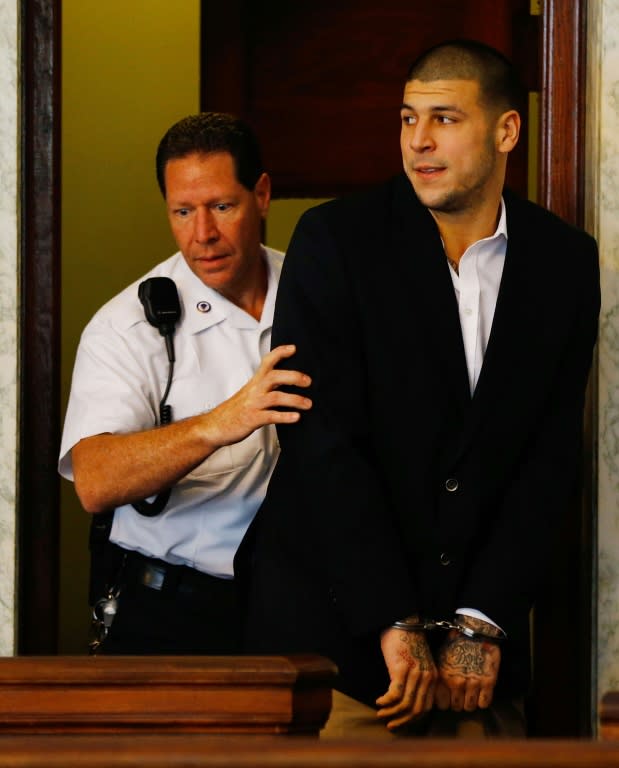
[119, 378]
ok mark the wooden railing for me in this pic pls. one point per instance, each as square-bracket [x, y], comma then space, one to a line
[194, 750]
[609, 716]
[171, 694]
[226, 712]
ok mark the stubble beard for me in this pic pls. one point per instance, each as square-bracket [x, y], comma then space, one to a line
[469, 194]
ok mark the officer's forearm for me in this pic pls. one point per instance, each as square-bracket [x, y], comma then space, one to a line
[111, 469]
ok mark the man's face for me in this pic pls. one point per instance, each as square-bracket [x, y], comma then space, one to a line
[449, 145]
[216, 221]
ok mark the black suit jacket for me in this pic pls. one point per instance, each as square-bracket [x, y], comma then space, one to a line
[359, 527]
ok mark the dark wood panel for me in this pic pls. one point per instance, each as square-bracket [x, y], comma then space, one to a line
[562, 130]
[321, 82]
[609, 716]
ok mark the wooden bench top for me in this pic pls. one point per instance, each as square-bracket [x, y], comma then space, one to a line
[98, 694]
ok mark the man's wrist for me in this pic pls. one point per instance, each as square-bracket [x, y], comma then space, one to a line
[478, 627]
[411, 623]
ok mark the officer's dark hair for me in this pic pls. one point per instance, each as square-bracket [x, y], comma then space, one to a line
[210, 132]
[500, 88]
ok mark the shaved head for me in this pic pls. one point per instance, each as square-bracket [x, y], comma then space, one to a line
[499, 85]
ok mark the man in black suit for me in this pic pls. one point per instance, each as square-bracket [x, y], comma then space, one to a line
[448, 329]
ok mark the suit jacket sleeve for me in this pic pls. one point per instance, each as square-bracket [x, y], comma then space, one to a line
[326, 484]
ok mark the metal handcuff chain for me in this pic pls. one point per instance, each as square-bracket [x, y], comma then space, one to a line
[429, 625]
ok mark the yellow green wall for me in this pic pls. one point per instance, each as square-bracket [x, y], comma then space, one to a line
[129, 71]
[283, 215]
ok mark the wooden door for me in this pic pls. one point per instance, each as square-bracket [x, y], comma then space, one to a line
[321, 82]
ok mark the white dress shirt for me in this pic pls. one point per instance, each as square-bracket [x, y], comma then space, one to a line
[477, 286]
[119, 377]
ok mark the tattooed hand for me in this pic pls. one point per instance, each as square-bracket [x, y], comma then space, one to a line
[412, 675]
[467, 672]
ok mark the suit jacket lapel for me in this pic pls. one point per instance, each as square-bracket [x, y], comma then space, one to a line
[514, 322]
[418, 246]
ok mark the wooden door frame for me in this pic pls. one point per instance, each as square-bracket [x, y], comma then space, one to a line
[38, 516]
[561, 188]
[565, 622]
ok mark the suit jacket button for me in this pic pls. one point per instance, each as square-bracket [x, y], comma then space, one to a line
[444, 558]
[451, 484]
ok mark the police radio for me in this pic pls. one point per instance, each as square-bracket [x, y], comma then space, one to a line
[162, 308]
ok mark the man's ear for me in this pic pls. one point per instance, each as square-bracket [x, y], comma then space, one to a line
[262, 191]
[507, 131]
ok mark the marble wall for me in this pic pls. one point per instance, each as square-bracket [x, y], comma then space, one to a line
[604, 216]
[8, 313]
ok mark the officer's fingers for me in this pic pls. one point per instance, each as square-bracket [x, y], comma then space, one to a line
[277, 399]
[275, 355]
[281, 377]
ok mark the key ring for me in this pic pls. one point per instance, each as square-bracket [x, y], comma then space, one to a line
[103, 613]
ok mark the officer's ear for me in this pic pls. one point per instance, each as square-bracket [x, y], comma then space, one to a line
[262, 193]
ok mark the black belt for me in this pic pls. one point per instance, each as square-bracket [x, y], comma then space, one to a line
[167, 578]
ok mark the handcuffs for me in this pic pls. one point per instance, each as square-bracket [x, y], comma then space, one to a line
[430, 624]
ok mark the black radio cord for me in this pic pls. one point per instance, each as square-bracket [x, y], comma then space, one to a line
[157, 505]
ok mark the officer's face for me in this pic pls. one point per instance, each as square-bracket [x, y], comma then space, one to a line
[216, 221]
